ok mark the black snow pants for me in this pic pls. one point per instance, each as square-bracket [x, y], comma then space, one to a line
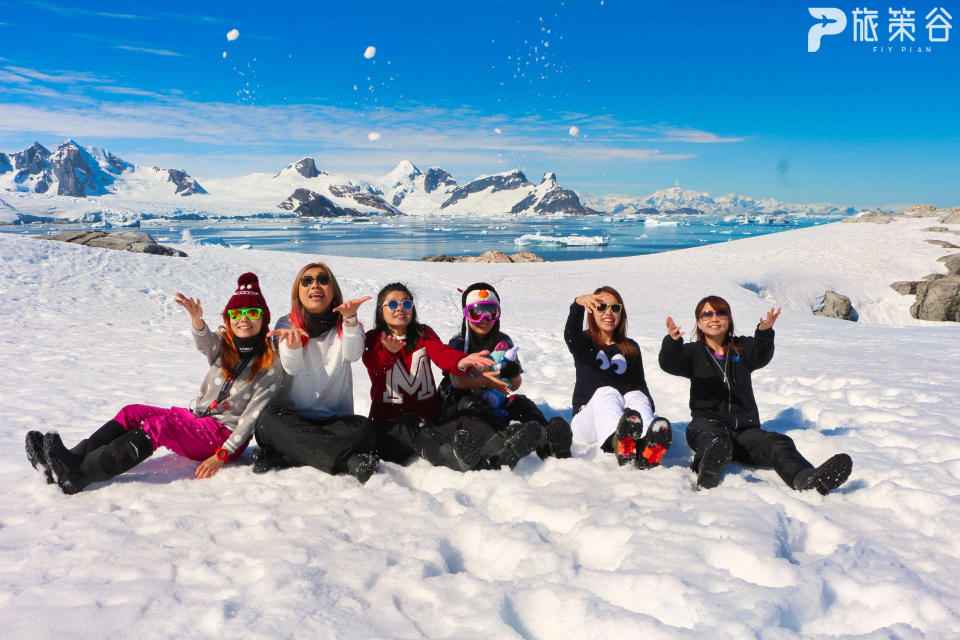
[322, 444]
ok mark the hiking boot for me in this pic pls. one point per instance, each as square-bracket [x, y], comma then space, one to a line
[34, 448]
[266, 459]
[110, 460]
[827, 477]
[628, 436]
[559, 437]
[715, 457]
[655, 443]
[466, 450]
[362, 466]
[519, 444]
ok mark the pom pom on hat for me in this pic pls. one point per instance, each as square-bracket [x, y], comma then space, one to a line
[248, 296]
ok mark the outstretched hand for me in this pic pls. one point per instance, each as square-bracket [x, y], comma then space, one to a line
[349, 308]
[192, 305]
[391, 343]
[772, 315]
[589, 301]
[208, 468]
[291, 337]
[493, 381]
[672, 328]
[478, 361]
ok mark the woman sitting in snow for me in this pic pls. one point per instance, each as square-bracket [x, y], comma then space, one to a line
[611, 403]
[243, 376]
[312, 422]
[726, 422]
[398, 354]
[492, 392]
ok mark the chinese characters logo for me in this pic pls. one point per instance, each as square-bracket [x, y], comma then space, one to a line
[901, 26]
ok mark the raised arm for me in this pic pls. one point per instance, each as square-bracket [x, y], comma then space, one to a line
[206, 340]
[674, 359]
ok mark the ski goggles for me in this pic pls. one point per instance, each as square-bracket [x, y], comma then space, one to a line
[615, 308]
[480, 311]
[253, 313]
[393, 305]
[321, 278]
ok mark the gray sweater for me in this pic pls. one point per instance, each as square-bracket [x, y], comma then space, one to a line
[245, 399]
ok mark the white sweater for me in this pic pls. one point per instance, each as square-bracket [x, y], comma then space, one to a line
[321, 383]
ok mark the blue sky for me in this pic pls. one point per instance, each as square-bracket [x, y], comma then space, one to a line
[720, 97]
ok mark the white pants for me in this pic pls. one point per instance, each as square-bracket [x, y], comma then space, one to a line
[599, 417]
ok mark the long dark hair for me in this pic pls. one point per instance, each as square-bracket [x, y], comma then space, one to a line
[229, 356]
[723, 307]
[298, 315]
[619, 332]
[414, 329]
[476, 342]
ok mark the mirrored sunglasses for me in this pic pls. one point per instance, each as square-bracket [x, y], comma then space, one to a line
[393, 305]
[480, 311]
[321, 278]
[252, 313]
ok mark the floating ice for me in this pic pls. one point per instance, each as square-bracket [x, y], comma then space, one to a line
[574, 131]
[568, 241]
[654, 222]
[373, 136]
[232, 35]
[369, 52]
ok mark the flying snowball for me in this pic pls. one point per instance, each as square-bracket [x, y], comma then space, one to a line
[497, 131]
[370, 52]
[224, 54]
[574, 131]
[373, 136]
[232, 35]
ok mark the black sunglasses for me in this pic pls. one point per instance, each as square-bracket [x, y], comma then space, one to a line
[322, 278]
[616, 308]
[709, 313]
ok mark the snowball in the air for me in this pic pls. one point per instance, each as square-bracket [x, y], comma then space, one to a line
[574, 131]
[224, 54]
[373, 136]
[232, 35]
[497, 131]
[370, 52]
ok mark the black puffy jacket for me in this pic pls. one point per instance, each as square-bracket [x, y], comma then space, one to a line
[720, 390]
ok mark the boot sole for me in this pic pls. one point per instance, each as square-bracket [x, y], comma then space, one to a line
[833, 473]
[520, 444]
[466, 450]
[628, 437]
[715, 458]
[655, 444]
[33, 445]
[559, 438]
[59, 468]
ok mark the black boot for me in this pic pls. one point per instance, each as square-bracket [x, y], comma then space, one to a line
[559, 437]
[99, 465]
[34, 448]
[713, 459]
[110, 431]
[466, 450]
[827, 477]
[519, 444]
[362, 466]
[655, 444]
[628, 436]
[265, 459]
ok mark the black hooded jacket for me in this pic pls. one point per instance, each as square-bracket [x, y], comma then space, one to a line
[720, 390]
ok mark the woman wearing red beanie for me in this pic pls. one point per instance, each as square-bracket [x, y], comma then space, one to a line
[244, 375]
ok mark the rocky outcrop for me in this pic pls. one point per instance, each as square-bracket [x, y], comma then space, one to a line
[77, 172]
[186, 185]
[952, 218]
[835, 305]
[435, 178]
[487, 257]
[307, 203]
[943, 243]
[365, 198]
[952, 262]
[306, 167]
[33, 161]
[500, 182]
[135, 241]
[876, 217]
[938, 300]
[5, 163]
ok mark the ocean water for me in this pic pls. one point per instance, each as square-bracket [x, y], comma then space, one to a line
[414, 238]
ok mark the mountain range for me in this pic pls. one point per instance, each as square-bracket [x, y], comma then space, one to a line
[75, 182]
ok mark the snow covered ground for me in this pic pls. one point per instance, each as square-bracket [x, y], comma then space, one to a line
[574, 548]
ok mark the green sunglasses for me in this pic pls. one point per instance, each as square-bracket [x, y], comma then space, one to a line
[236, 314]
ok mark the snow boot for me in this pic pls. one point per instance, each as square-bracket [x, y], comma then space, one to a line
[362, 466]
[827, 477]
[110, 431]
[654, 444]
[714, 458]
[34, 448]
[265, 459]
[99, 465]
[466, 450]
[628, 436]
[521, 442]
[559, 437]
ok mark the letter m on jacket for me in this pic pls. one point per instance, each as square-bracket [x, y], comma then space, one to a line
[418, 381]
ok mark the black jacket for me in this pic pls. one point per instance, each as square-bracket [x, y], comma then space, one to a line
[598, 367]
[720, 390]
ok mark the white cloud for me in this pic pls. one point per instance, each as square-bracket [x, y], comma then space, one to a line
[156, 52]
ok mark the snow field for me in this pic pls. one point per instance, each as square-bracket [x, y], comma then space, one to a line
[576, 548]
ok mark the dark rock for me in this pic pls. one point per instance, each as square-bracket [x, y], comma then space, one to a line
[435, 178]
[905, 287]
[33, 161]
[186, 185]
[305, 202]
[77, 172]
[440, 257]
[365, 198]
[876, 217]
[934, 276]
[835, 305]
[937, 229]
[135, 241]
[952, 263]
[5, 163]
[562, 201]
[114, 164]
[943, 243]
[524, 204]
[690, 211]
[525, 256]
[938, 300]
[514, 180]
[307, 168]
[486, 257]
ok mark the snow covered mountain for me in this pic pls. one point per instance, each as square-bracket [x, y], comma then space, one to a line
[679, 200]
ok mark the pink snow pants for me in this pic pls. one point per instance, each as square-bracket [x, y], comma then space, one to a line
[177, 429]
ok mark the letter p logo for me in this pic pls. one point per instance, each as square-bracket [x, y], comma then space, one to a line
[831, 22]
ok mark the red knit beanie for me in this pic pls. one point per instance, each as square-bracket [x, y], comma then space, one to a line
[248, 296]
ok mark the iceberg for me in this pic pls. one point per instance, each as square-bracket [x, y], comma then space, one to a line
[567, 241]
